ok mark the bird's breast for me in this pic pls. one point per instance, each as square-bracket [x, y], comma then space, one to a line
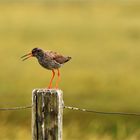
[49, 64]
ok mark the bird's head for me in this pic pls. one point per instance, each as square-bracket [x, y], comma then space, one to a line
[36, 52]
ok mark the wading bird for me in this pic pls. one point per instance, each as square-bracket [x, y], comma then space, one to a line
[49, 60]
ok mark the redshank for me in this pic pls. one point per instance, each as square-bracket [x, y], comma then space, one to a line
[49, 60]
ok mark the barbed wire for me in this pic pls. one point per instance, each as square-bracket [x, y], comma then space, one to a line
[76, 109]
[101, 112]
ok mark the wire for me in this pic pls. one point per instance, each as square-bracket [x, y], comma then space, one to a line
[76, 109]
[16, 108]
[101, 112]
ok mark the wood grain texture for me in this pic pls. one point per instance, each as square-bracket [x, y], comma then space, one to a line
[47, 114]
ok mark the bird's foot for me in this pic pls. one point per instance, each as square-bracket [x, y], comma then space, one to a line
[49, 87]
[56, 87]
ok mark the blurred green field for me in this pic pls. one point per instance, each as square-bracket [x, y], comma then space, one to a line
[103, 39]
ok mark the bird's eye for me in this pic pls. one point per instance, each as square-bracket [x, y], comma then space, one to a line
[38, 50]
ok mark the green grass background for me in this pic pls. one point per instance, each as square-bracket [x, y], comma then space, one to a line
[103, 39]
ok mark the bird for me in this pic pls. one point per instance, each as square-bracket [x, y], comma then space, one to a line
[49, 60]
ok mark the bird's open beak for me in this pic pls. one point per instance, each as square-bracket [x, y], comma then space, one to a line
[26, 56]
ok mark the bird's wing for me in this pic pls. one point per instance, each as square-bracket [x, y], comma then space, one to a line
[57, 57]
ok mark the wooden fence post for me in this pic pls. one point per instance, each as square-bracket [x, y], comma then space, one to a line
[47, 113]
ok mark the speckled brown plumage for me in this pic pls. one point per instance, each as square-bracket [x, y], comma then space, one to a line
[49, 60]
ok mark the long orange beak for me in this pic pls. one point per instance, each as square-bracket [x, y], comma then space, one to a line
[26, 56]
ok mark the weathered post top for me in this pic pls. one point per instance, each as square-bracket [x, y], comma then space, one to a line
[47, 114]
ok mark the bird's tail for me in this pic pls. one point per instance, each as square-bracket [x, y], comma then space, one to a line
[68, 58]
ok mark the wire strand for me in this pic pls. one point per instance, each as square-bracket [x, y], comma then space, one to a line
[101, 112]
[16, 108]
[76, 109]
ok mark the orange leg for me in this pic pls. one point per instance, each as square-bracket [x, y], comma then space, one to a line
[50, 84]
[58, 79]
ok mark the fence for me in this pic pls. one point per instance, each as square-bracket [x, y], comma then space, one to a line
[47, 113]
